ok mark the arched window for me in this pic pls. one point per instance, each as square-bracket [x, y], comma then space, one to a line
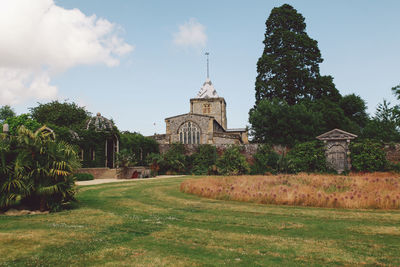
[189, 133]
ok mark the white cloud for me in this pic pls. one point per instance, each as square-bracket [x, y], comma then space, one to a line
[39, 38]
[191, 34]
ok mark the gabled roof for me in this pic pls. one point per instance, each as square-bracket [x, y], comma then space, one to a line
[207, 90]
[192, 114]
[336, 134]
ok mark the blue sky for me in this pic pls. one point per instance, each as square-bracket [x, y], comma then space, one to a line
[156, 77]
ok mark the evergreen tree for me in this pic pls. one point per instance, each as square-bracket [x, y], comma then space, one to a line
[289, 66]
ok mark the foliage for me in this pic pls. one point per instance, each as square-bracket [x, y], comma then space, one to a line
[354, 108]
[307, 157]
[232, 162]
[384, 126]
[139, 145]
[61, 114]
[24, 119]
[367, 155]
[396, 91]
[83, 177]
[265, 160]
[171, 162]
[289, 66]
[6, 112]
[40, 173]
[125, 160]
[204, 159]
[276, 122]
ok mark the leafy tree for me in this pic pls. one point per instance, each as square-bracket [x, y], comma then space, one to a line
[276, 122]
[354, 108]
[23, 119]
[289, 66]
[6, 112]
[232, 162]
[64, 114]
[332, 116]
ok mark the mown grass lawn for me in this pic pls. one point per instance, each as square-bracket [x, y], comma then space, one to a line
[152, 223]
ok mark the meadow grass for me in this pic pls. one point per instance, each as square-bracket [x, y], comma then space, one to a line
[153, 223]
[361, 191]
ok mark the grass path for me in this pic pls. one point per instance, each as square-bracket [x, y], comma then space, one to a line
[151, 223]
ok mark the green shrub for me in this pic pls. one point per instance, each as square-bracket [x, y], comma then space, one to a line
[307, 157]
[138, 145]
[232, 162]
[265, 160]
[204, 160]
[83, 176]
[36, 171]
[172, 162]
[368, 156]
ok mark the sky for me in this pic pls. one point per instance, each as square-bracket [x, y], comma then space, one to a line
[139, 62]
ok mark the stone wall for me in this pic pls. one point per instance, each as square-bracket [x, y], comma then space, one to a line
[96, 172]
[248, 150]
[393, 153]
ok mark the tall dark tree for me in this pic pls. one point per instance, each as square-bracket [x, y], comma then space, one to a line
[289, 66]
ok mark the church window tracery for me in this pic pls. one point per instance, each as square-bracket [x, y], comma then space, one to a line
[189, 133]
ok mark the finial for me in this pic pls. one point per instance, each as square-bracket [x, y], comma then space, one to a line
[208, 72]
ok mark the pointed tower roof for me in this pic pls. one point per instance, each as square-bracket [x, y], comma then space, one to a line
[207, 90]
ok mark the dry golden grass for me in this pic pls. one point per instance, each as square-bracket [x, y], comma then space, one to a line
[355, 191]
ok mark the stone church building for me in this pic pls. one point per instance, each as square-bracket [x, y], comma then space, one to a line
[206, 122]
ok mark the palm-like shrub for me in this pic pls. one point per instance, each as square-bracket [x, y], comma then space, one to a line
[41, 175]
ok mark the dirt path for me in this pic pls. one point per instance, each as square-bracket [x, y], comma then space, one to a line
[114, 180]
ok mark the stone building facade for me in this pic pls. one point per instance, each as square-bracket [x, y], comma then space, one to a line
[206, 123]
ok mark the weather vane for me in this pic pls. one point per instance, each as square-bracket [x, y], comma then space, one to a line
[208, 72]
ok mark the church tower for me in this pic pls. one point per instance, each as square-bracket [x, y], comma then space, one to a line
[207, 102]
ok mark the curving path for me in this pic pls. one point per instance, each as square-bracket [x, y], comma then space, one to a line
[114, 180]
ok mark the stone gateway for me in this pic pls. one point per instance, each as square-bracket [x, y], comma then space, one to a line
[337, 149]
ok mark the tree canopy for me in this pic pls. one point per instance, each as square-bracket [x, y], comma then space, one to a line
[289, 66]
[62, 114]
[6, 112]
